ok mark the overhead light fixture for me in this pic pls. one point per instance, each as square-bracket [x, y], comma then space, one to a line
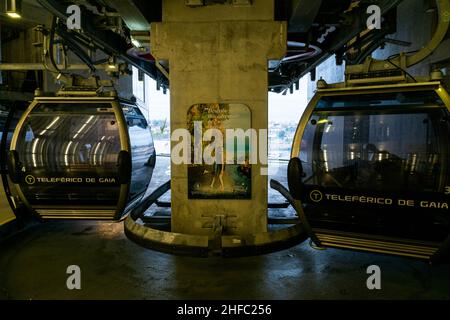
[135, 43]
[112, 67]
[14, 8]
[430, 6]
[14, 15]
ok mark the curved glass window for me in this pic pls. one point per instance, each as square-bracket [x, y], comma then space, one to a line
[142, 151]
[400, 145]
[69, 152]
[406, 99]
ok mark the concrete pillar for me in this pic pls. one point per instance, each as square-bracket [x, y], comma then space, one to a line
[218, 54]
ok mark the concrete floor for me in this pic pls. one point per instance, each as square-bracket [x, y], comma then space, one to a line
[33, 266]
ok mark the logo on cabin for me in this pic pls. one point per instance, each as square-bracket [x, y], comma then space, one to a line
[316, 196]
[29, 179]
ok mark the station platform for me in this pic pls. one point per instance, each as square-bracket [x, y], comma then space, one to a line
[33, 266]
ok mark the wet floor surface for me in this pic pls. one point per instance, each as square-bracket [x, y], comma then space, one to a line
[33, 265]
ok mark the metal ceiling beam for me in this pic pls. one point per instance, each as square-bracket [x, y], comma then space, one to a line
[340, 38]
[303, 14]
[107, 41]
[131, 14]
[40, 66]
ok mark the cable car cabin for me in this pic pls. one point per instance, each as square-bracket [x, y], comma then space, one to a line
[374, 168]
[81, 157]
[10, 113]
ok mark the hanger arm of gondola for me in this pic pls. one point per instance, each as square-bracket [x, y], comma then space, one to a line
[109, 42]
[147, 202]
[296, 204]
[404, 61]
